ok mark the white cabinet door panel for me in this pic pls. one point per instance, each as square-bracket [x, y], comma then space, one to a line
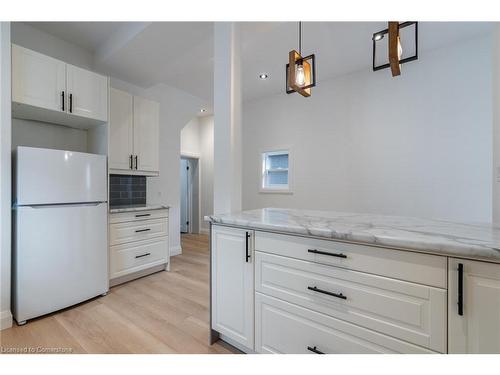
[87, 93]
[121, 135]
[411, 312]
[37, 80]
[477, 330]
[281, 327]
[146, 134]
[232, 285]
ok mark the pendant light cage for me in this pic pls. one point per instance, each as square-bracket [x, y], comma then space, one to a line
[308, 66]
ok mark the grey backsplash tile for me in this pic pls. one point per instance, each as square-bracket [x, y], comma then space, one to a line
[127, 190]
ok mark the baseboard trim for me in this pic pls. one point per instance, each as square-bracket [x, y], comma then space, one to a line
[175, 250]
[136, 275]
[5, 319]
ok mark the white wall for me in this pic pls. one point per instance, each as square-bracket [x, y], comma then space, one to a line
[496, 124]
[197, 139]
[417, 145]
[5, 176]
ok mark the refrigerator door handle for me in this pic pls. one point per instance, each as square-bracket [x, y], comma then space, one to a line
[56, 205]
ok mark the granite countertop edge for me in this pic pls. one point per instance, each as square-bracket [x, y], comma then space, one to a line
[138, 208]
[463, 240]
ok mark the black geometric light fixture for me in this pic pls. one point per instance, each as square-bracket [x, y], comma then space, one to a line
[395, 46]
[300, 71]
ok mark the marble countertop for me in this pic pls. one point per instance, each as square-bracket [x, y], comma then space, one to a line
[467, 240]
[134, 208]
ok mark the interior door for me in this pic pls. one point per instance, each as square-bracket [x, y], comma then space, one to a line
[121, 146]
[87, 93]
[38, 80]
[473, 309]
[233, 284]
[184, 195]
[146, 134]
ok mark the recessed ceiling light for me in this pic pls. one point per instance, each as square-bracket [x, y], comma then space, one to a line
[263, 76]
[203, 110]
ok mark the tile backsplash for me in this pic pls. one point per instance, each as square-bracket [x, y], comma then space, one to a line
[127, 190]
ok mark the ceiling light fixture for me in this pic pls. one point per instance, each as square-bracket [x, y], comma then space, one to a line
[263, 76]
[394, 47]
[203, 110]
[300, 71]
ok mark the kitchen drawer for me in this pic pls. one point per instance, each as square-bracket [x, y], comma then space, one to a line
[137, 230]
[136, 256]
[121, 217]
[281, 327]
[405, 265]
[411, 312]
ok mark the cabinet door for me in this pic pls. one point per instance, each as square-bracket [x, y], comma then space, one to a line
[477, 328]
[87, 93]
[146, 134]
[120, 129]
[232, 284]
[37, 80]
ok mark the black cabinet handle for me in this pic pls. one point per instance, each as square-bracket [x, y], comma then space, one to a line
[315, 289]
[314, 251]
[70, 103]
[247, 237]
[62, 97]
[314, 350]
[142, 255]
[142, 230]
[142, 215]
[135, 161]
[130, 162]
[460, 289]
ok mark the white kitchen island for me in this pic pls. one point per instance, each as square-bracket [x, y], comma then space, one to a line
[293, 281]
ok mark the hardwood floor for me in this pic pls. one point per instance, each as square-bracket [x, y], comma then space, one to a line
[167, 312]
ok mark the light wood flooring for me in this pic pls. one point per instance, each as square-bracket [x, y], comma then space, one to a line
[167, 312]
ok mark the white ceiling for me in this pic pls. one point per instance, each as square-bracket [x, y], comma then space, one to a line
[180, 54]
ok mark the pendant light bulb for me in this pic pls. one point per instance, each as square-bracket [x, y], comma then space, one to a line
[400, 49]
[300, 75]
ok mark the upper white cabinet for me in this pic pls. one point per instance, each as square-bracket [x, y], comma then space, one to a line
[87, 93]
[146, 134]
[473, 307]
[233, 284]
[121, 130]
[49, 90]
[38, 80]
[134, 134]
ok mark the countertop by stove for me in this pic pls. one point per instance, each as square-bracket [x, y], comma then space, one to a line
[133, 208]
[467, 240]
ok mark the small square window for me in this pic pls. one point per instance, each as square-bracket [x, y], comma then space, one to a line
[275, 171]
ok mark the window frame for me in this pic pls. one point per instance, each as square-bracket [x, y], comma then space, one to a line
[278, 189]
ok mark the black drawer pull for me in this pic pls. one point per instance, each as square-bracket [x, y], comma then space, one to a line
[142, 230]
[314, 350]
[338, 295]
[142, 255]
[62, 94]
[142, 215]
[314, 251]
[460, 289]
[247, 254]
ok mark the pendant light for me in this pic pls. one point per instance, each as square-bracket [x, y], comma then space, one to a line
[394, 48]
[300, 71]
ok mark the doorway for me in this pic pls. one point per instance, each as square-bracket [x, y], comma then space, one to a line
[190, 195]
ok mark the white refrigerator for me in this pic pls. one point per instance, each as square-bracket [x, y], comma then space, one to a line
[60, 255]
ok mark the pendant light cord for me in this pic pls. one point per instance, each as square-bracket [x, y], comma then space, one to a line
[300, 38]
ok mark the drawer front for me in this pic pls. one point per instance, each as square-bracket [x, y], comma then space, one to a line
[137, 230]
[282, 327]
[121, 217]
[410, 312]
[136, 256]
[405, 265]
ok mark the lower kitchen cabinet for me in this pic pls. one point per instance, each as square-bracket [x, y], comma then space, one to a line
[474, 307]
[282, 327]
[232, 278]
